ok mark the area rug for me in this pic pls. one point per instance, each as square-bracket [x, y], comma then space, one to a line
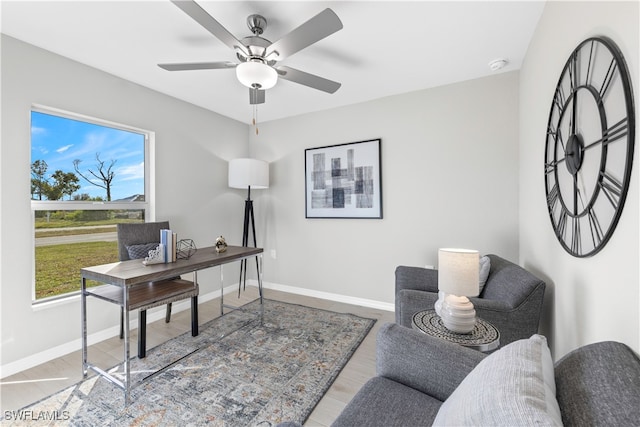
[243, 369]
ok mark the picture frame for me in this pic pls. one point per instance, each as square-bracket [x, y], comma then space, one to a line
[344, 180]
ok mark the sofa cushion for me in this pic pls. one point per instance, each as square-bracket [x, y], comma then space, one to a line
[140, 251]
[513, 386]
[384, 402]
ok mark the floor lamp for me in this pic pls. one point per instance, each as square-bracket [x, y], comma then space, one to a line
[248, 173]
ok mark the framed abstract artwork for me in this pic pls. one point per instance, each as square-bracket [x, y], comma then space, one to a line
[344, 181]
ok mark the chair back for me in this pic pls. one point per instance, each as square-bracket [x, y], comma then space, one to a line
[510, 283]
[138, 234]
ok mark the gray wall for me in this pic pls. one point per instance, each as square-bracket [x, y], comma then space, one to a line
[591, 299]
[449, 168]
[192, 147]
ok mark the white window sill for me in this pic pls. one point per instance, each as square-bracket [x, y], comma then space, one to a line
[45, 304]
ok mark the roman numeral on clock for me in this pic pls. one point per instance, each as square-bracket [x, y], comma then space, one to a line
[611, 72]
[612, 188]
[552, 197]
[595, 227]
[576, 240]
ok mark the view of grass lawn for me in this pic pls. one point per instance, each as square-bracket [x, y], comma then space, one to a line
[58, 266]
[60, 251]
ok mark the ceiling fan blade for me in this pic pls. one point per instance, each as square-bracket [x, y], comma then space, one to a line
[195, 11]
[256, 96]
[197, 66]
[311, 80]
[315, 29]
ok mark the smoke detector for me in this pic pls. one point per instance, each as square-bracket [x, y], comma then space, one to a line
[498, 64]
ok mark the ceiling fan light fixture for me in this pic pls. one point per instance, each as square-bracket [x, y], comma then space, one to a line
[256, 74]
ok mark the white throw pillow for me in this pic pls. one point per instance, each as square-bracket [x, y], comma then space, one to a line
[485, 266]
[513, 386]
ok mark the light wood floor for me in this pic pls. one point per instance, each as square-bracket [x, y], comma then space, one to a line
[33, 384]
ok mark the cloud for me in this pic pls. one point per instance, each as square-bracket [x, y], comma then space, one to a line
[35, 130]
[63, 149]
[128, 173]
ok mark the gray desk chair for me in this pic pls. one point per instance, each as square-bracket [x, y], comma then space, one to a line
[134, 242]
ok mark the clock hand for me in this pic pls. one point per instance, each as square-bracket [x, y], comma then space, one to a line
[574, 113]
[594, 143]
[574, 89]
[580, 192]
[575, 195]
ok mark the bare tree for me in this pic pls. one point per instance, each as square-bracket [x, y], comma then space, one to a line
[104, 175]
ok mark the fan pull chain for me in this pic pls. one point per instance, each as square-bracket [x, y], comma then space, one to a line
[255, 118]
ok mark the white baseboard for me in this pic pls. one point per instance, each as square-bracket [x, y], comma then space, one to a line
[157, 314]
[362, 302]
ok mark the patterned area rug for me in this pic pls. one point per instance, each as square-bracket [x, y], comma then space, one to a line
[239, 371]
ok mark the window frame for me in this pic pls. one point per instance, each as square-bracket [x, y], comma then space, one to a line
[148, 205]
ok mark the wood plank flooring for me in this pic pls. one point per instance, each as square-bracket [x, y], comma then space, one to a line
[33, 384]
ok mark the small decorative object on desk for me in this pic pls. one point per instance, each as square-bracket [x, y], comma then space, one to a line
[185, 248]
[221, 244]
[156, 256]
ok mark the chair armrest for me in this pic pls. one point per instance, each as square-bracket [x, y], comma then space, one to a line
[428, 364]
[416, 289]
[598, 384]
[417, 278]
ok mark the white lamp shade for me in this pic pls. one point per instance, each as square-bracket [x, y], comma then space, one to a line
[256, 74]
[459, 272]
[244, 173]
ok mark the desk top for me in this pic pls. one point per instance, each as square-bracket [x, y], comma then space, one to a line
[128, 273]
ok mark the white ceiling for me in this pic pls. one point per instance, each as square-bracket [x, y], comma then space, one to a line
[385, 48]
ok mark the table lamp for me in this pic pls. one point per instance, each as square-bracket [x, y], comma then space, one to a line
[248, 173]
[458, 278]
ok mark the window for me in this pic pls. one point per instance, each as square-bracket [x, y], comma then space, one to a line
[87, 175]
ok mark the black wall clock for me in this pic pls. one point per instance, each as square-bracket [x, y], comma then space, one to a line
[589, 147]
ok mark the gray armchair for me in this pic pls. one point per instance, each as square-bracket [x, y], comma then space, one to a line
[511, 299]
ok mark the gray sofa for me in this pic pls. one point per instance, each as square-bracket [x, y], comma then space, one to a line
[511, 299]
[597, 384]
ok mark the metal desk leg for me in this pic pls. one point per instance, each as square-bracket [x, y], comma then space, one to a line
[194, 309]
[260, 291]
[127, 367]
[83, 313]
[142, 334]
[260, 268]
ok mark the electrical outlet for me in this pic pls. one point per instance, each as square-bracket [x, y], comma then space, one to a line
[273, 254]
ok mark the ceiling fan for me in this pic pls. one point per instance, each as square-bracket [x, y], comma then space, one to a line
[258, 56]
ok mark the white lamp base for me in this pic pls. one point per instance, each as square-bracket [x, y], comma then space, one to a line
[438, 305]
[458, 314]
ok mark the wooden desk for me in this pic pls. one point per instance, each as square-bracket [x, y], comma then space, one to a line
[125, 282]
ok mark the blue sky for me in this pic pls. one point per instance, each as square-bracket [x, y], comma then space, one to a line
[59, 141]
